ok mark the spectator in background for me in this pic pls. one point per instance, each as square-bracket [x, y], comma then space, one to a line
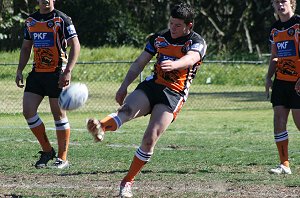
[49, 32]
[180, 52]
[285, 65]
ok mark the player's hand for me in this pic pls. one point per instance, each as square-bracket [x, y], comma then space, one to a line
[120, 95]
[64, 79]
[168, 65]
[19, 79]
[268, 86]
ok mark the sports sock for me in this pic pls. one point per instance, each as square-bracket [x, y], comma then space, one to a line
[37, 127]
[63, 137]
[111, 122]
[139, 160]
[282, 141]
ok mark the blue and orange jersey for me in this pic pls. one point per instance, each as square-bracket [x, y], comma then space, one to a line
[285, 36]
[49, 33]
[165, 47]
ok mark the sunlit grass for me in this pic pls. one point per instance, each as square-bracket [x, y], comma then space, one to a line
[233, 147]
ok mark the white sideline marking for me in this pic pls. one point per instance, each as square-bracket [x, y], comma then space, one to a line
[169, 148]
[47, 128]
[31, 141]
[125, 131]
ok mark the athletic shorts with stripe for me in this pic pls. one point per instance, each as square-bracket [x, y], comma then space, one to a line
[160, 94]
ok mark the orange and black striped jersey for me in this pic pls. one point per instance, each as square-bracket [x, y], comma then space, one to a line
[285, 36]
[165, 47]
[49, 33]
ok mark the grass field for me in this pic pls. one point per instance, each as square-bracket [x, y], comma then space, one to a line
[203, 154]
[221, 144]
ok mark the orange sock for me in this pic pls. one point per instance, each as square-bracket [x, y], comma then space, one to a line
[282, 142]
[38, 129]
[138, 162]
[111, 122]
[63, 137]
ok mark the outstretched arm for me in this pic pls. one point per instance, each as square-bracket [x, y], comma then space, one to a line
[135, 69]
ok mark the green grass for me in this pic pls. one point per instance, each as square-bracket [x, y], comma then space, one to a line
[221, 144]
[104, 53]
[233, 147]
[107, 53]
[220, 74]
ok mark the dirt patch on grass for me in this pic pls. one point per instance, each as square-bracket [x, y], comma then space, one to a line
[99, 185]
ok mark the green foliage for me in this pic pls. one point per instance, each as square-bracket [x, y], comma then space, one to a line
[224, 24]
[11, 32]
[125, 30]
[113, 25]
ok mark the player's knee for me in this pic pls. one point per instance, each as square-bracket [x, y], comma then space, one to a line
[126, 109]
[148, 142]
[28, 114]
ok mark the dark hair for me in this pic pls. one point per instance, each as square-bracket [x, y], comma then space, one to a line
[183, 11]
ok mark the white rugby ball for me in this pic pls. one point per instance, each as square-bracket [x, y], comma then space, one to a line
[73, 97]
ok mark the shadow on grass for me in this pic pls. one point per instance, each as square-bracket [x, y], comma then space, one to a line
[93, 173]
[180, 172]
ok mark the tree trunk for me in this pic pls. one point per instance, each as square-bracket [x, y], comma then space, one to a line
[212, 22]
[249, 42]
[1, 7]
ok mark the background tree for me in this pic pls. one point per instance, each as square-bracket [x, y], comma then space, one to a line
[230, 27]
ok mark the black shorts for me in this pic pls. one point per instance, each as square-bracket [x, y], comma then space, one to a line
[284, 94]
[43, 84]
[160, 94]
